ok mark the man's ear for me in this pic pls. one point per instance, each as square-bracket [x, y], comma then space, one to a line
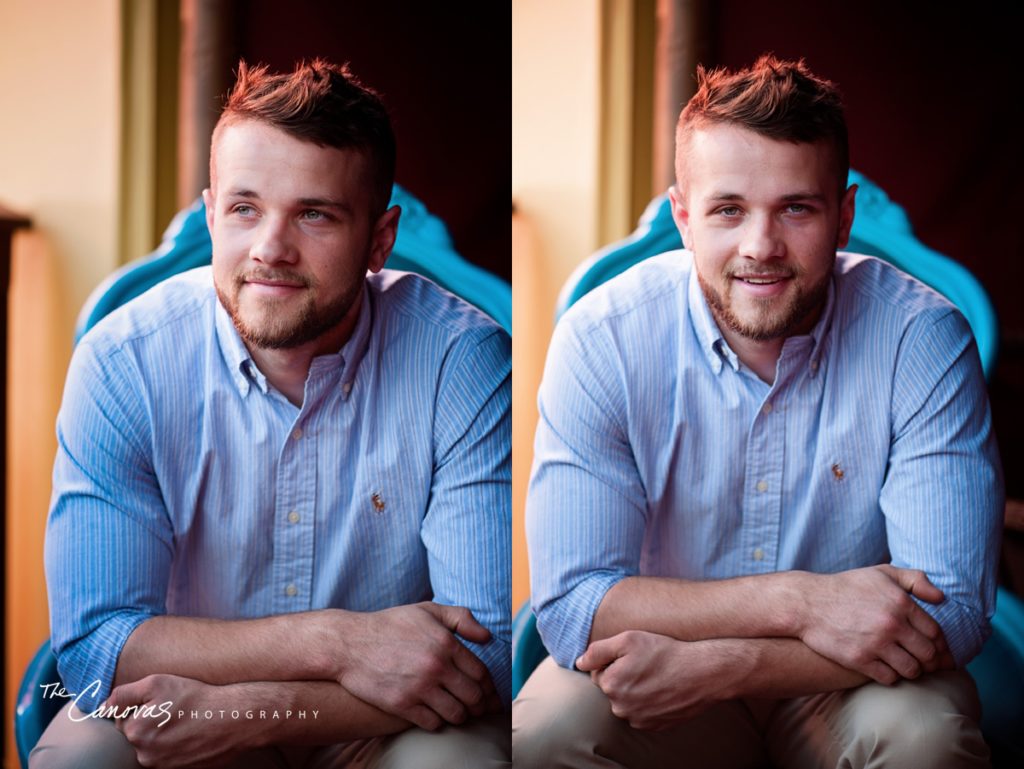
[208, 201]
[680, 214]
[847, 208]
[382, 240]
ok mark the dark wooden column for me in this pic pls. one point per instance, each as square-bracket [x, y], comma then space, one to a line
[9, 222]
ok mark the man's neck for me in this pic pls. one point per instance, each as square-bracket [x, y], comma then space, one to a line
[760, 357]
[287, 369]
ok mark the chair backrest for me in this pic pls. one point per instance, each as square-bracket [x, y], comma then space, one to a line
[880, 228]
[33, 709]
[423, 245]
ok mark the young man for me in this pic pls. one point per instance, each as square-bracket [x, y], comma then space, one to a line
[764, 514]
[283, 484]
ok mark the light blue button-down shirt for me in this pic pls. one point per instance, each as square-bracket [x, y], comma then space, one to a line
[186, 484]
[659, 453]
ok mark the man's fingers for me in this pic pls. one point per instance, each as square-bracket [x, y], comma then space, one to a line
[460, 621]
[921, 648]
[445, 705]
[598, 655]
[880, 672]
[125, 695]
[469, 663]
[904, 663]
[926, 625]
[467, 691]
[916, 583]
[423, 717]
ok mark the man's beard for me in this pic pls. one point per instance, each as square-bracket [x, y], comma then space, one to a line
[771, 322]
[285, 330]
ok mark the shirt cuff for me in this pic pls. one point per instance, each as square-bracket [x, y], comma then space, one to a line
[965, 629]
[564, 623]
[497, 656]
[87, 666]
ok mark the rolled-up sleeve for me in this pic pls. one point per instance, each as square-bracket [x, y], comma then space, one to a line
[108, 538]
[467, 526]
[586, 507]
[943, 493]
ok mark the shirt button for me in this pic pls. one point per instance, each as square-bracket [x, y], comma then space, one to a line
[291, 591]
[767, 408]
[346, 388]
[293, 517]
[762, 486]
[297, 433]
[758, 554]
[814, 365]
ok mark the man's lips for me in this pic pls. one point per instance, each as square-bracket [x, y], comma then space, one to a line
[283, 283]
[272, 287]
[762, 285]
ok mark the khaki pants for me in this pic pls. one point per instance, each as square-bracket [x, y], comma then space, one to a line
[561, 719]
[483, 742]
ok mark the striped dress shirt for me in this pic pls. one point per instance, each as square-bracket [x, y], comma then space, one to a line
[659, 453]
[186, 484]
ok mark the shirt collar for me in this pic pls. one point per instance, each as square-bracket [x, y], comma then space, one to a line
[711, 340]
[344, 363]
[716, 348]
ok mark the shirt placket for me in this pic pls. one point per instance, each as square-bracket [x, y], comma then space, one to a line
[295, 518]
[762, 492]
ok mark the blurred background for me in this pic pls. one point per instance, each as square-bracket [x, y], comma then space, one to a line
[934, 111]
[105, 122]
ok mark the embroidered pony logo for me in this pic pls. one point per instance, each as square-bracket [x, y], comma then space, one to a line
[378, 502]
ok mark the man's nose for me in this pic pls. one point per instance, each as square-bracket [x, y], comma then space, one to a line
[273, 242]
[762, 238]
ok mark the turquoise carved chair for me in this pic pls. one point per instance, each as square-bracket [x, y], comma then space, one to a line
[423, 245]
[880, 228]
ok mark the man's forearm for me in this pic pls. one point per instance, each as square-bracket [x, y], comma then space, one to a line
[655, 681]
[172, 720]
[744, 607]
[782, 667]
[864, 619]
[280, 648]
[406, 660]
[340, 715]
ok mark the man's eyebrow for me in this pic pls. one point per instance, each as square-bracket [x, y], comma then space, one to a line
[723, 196]
[243, 193]
[817, 197]
[325, 203]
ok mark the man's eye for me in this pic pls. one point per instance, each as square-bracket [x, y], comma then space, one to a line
[312, 215]
[797, 208]
[729, 211]
[243, 209]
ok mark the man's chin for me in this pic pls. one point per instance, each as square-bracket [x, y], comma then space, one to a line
[267, 330]
[763, 324]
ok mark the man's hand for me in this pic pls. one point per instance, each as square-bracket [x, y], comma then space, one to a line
[161, 739]
[866, 621]
[407, 661]
[654, 681]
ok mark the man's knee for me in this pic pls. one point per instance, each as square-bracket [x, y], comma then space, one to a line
[85, 744]
[929, 722]
[483, 742]
[557, 713]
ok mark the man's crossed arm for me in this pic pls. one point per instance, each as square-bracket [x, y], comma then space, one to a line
[664, 649]
[366, 674]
